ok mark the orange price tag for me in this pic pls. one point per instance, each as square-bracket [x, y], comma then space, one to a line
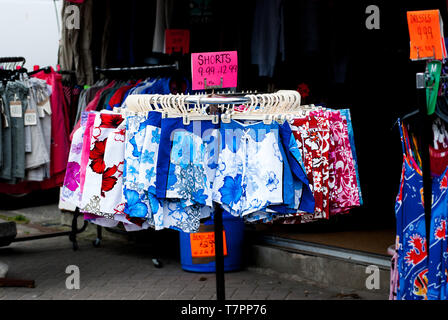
[426, 35]
[203, 244]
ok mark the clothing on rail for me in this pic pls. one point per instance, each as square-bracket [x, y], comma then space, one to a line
[421, 259]
[147, 171]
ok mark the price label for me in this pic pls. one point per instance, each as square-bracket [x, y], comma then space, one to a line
[214, 69]
[203, 244]
[177, 40]
[46, 106]
[16, 109]
[40, 111]
[30, 118]
[426, 35]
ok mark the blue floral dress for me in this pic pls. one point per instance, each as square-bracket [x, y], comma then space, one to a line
[422, 273]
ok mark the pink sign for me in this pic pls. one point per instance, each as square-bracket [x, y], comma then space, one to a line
[214, 69]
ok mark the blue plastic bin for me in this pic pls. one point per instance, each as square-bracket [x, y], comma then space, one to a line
[234, 230]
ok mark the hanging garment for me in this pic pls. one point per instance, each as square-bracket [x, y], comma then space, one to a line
[249, 177]
[111, 202]
[345, 113]
[101, 178]
[94, 103]
[164, 13]
[71, 189]
[393, 278]
[422, 271]
[344, 191]
[104, 172]
[85, 151]
[15, 99]
[324, 143]
[297, 194]
[135, 205]
[71, 99]
[118, 96]
[267, 36]
[182, 170]
[303, 199]
[60, 145]
[140, 195]
[157, 172]
[147, 170]
[37, 161]
[313, 139]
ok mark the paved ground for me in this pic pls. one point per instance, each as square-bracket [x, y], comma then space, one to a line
[121, 269]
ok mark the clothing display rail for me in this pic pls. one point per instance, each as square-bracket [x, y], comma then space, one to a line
[174, 66]
[124, 72]
[213, 99]
[72, 234]
[11, 71]
[221, 109]
[181, 161]
[13, 60]
[218, 212]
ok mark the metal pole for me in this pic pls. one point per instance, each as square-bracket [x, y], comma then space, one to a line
[219, 247]
[43, 236]
[425, 134]
[219, 253]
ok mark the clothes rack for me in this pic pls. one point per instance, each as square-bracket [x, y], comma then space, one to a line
[45, 69]
[13, 60]
[139, 71]
[126, 70]
[14, 66]
[174, 66]
[72, 234]
[11, 68]
[142, 194]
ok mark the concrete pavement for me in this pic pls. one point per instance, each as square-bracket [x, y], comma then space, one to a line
[122, 269]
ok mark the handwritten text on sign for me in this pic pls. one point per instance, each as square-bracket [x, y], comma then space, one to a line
[203, 244]
[215, 69]
[425, 34]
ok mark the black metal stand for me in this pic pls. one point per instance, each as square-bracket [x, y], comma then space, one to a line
[219, 247]
[71, 234]
[425, 134]
[99, 236]
[219, 253]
